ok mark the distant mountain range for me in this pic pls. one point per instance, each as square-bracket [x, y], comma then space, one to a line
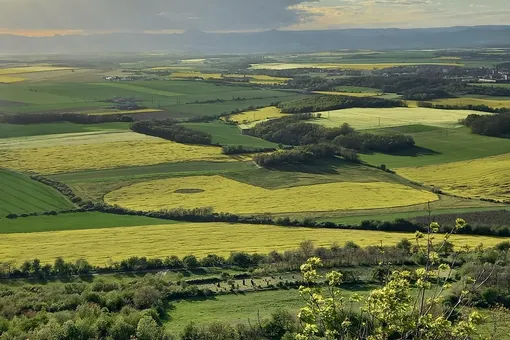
[268, 41]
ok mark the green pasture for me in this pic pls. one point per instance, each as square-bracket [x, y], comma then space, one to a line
[20, 195]
[95, 184]
[227, 134]
[439, 146]
[74, 221]
[14, 130]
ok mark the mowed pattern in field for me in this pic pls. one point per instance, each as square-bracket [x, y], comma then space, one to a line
[480, 178]
[368, 118]
[99, 150]
[226, 195]
[20, 194]
[99, 246]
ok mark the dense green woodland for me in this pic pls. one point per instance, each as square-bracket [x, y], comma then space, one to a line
[325, 103]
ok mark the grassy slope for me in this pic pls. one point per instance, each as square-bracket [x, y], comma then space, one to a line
[225, 134]
[21, 195]
[442, 146]
[73, 221]
[95, 184]
[11, 130]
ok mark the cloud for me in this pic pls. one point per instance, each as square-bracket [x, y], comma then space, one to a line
[141, 15]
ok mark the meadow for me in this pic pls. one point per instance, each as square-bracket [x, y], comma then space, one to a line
[368, 118]
[100, 246]
[254, 79]
[22, 195]
[226, 195]
[437, 146]
[478, 178]
[351, 94]
[226, 134]
[101, 150]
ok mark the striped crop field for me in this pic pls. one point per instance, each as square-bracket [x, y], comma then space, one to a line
[226, 195]
[487, 177]
[22, 195]
[98, 150]
[368, 118]
[99, 246]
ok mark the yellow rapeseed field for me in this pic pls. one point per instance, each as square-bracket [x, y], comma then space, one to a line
[99, 246]
[10, 79]
[375, 66]
[481, 178]
[226, 195]
[258, 115]
[30, 69]
[102, 151]
[369, 118]
[256, 79]
[494, 103]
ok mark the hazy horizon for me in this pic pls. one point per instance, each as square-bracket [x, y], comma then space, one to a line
[52, 17]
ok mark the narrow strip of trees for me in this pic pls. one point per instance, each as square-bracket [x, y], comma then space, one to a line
[169, 129]
[497, 125]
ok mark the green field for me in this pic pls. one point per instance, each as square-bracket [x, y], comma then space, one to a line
[441, 146]
[177, 98]
[12, 130]
[95, 184]
[226, 134]
[73, 221]
[22, 195]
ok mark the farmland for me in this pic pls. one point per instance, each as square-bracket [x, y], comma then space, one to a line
[257, 115]
[226, 195]
[12, 131]
[480, 178]
[189, 238]
[363, 118]
[437, 146]
[98, 151]
[462, 101]
[22, 195]
[225, 134]
[353, 66]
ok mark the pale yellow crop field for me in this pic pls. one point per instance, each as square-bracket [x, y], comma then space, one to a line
[226, 195]
[10, 79]
[494, 103]
[102, 151]
[99, 246]
[29, 69]
[255, 78]
[369, 118]
[480, 178]
[122, 112]
[350, 94]
[269, 112]
[375, 66]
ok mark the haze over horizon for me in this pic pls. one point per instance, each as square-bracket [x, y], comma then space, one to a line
[51, 17]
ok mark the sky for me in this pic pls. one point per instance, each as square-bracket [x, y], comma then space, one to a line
[49, 17]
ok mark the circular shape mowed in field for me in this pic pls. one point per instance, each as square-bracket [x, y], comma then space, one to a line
[226, 195]
[189, 191]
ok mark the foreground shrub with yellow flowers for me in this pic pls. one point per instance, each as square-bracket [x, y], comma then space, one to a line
[410, 305]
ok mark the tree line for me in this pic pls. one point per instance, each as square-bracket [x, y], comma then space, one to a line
[497, 125]
[481, 107]
[325, 103]
[171, 130]
[294, 131]
[56, 117]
